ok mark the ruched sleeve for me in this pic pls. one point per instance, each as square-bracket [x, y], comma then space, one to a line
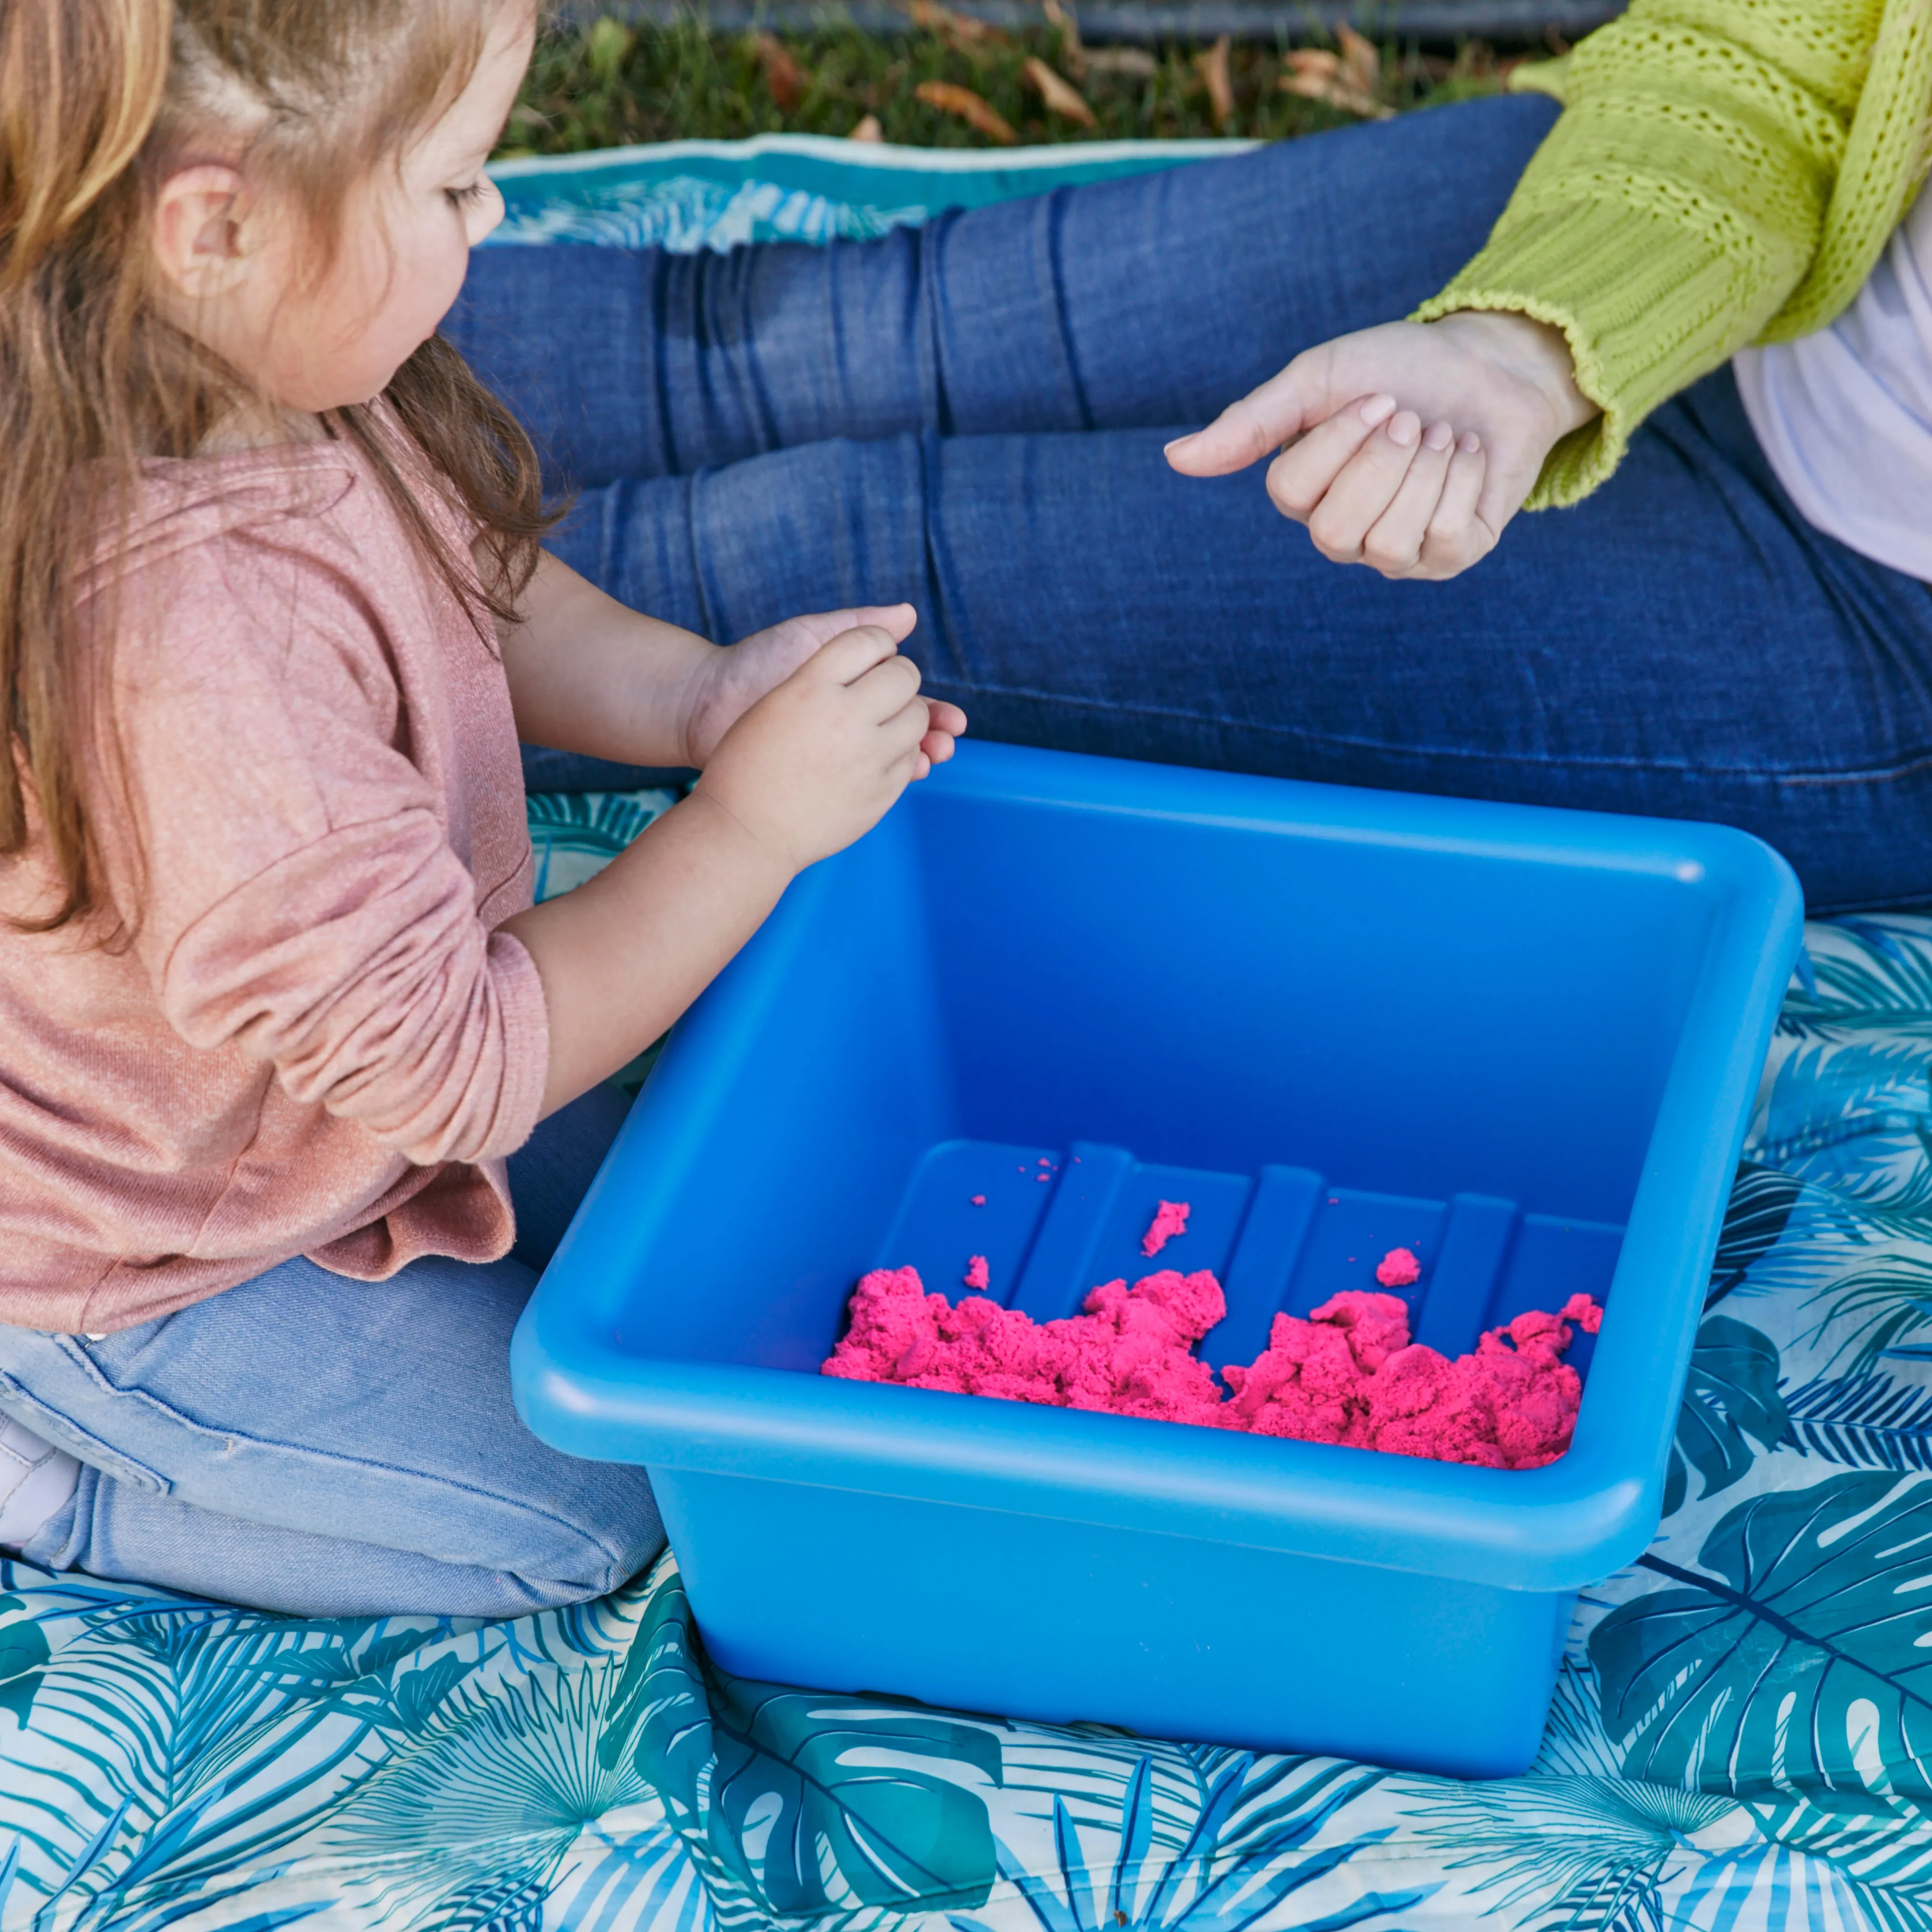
[288, 869]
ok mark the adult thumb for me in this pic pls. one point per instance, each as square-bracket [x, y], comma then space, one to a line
[1255, 427]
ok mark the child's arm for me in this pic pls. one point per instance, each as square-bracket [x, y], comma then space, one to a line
[802, 773]
[586, 673]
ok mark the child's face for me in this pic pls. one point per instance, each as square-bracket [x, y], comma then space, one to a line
[236, 279]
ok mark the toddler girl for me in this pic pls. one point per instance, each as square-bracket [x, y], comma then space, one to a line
[274, 1004]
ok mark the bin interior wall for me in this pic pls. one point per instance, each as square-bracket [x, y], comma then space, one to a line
[1397, 1018]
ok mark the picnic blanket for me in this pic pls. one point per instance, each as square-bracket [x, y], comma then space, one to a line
[1741, 1739]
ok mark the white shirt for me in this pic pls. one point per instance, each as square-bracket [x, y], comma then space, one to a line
[1844, 414]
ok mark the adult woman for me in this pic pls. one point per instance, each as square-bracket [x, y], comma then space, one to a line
[972, 415]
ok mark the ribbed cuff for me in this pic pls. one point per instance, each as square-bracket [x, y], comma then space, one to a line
[526, 1019]
[1645, 308]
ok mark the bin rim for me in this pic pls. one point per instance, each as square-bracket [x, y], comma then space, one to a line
[1558, 1528]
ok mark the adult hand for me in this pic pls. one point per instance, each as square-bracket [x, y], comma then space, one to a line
[731, 682]
[1407, 447]
[819, 760]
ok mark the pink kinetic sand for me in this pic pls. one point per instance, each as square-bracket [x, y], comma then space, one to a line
[1349, 1374]
[976, 1276]
[1170, 1218]
[1130, 1353]
[1398, 1268]
[978, 1201]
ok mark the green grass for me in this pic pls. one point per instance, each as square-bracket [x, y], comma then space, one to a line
[608, 85]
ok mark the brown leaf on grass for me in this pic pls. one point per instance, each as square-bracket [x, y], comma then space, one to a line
[1060, 95]
[960, 31]
[1316, 74]
[949, 98]
[1072, 49]
[868, 129]
[1134, 61]
[1361, 65]
[785, 80]
[1212, 66]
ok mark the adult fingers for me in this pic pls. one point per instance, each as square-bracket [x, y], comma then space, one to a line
[1264, 419]
[1393, 544]
[1301, 476]
[1361, 495]
[1457, 536]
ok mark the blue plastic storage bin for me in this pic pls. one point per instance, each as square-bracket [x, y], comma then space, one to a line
[1523, 1043]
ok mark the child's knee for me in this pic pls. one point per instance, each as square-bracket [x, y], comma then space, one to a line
[623, 1537]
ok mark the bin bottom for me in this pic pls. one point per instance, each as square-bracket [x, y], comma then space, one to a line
[1171, 1637]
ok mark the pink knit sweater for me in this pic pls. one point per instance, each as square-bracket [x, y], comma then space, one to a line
[316, 1043]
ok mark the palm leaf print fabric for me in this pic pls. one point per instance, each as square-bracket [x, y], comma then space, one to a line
[1741, 1740]
[686, 196]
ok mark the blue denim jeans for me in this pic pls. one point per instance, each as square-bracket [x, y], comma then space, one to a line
[330, 1447]
[971, 415]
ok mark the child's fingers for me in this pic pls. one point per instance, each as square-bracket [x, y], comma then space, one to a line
[897, 620]
[938, 746]
[1358, 498]
[1393, 544]
[1301, 476]
[849, 656]
[887, 688]
[1456, 537]
[902, 739]
[947, 718]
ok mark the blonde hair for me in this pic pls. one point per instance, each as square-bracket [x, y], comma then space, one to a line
[100, 100]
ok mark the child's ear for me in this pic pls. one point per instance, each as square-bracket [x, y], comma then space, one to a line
[200, 244]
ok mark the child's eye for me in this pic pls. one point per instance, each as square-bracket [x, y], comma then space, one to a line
[465, 197]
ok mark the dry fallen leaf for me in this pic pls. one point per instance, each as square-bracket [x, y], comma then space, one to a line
[868, 129]
[1135, 61]
[1059, 94]
[1361, 65]
[1316, 74]
[1212, 66]
[960, 31]
[784, 78]
[1072, 49]
[949, 98]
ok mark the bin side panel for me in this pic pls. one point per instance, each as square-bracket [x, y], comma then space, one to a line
[1173, 1637]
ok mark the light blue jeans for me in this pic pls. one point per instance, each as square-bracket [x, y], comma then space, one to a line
[329, 1447]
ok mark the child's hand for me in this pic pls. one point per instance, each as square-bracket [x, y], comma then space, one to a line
[1406, 447]
[733, 680]
[818, 761]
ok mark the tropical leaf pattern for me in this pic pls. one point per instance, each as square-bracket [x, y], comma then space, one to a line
[1741, 1739]
[574, 835]
[689, 196]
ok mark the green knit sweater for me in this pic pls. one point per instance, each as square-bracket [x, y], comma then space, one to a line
[1724, 172]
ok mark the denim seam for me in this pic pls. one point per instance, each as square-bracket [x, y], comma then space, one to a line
[324, 1458]
[1876, 774]
[1053, 217]
[67, 1433]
